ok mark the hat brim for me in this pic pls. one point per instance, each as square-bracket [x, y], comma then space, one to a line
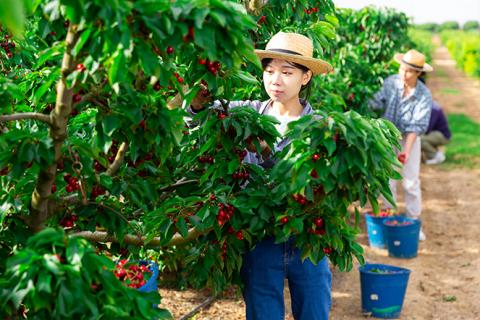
[317, 66]
[399, 58]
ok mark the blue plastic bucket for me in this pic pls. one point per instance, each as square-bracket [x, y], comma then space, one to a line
[376, 237]
[383, 289]
[151, 284]
[402, 240]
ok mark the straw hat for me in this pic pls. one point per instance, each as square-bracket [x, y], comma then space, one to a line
[414, 60]
[296, 48]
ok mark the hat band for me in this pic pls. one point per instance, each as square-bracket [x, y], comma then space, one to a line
[412, 65]
[285, 51]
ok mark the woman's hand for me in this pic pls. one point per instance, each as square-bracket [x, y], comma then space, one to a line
[266, 150]
[201, 98]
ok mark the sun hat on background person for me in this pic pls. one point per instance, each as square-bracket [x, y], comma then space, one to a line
[414, 60]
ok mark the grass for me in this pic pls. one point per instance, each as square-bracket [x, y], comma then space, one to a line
[450, 91]
[464, 148]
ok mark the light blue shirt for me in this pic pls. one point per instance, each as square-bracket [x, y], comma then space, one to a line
[408, 114]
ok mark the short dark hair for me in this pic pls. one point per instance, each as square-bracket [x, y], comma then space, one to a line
[306, 89]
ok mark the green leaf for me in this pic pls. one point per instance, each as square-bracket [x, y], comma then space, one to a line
[81, 41]
[75, 251]
[12, 16]
[43, 283]
[182, 227]
[117, 61]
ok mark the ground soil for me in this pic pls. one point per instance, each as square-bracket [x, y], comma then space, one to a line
[445, 277]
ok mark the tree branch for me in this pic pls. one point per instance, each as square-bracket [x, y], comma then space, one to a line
[40, 210]
[101, 236]
[180, 182]
[198, 308]
[26, 115]
[118, 160]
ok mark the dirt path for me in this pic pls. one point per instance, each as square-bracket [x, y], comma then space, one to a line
[445, 278]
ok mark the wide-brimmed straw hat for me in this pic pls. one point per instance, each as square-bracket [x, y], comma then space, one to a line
[413, 59]
[296, 48]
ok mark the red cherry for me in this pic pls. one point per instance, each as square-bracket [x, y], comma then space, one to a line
[9, 55]
[54, 188]
[314, 174]
[80, 67]
[262, 19]
[157, 86]
[213, 197]
[180, 79]
[77, 97]
[284, 220]
[169, 49]
[315, 157]
[239, 235]
[318, 222]
[191, 32]
[221, 116]
[4, 171]
[212, 70]
[202, 61]
[327, 250]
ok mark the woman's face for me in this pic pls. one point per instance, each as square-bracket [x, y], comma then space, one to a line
[283, 81]
[408, 75]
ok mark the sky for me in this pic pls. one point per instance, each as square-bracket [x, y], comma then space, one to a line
[423, 11]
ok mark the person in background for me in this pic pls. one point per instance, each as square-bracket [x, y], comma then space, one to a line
[438, 134]
[407, 103]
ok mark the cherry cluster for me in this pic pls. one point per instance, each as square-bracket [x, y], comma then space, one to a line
[241, 153]
[8, 46]
[98, 166]
[225, 213]
[179, 79]
[240, 175]
[311, 10]
[212, 66]
[68, 221]
[318, 227]
[301, 199]
[97, 191]
[72, 183]
[132, 274]
[206, 159]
